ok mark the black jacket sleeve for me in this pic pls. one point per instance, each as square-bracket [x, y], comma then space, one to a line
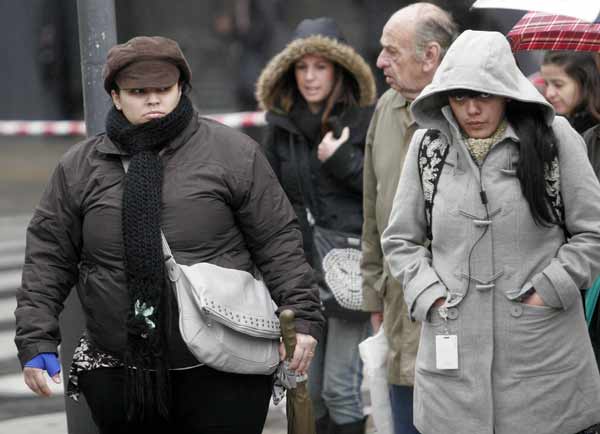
[50, 269]
[346, 163]
[271, 229]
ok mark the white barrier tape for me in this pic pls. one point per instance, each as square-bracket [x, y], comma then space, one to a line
[77, 128]
[41, 128]
[240, 119]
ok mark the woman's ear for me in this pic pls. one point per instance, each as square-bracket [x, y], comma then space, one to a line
[116, 99]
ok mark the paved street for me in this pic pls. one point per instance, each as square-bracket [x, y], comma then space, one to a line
[20, 411]
[25, 166]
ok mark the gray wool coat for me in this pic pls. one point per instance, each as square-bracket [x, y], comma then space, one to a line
[521, 368]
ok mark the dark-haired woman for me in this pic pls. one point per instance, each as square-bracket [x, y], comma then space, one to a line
[506, 195]
[572, 81]
[212, 193]
[318, 93]
[573, 87]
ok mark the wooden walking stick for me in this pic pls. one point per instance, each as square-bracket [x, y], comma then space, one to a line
[298, 404]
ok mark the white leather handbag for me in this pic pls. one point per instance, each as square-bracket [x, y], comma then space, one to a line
[226, 317]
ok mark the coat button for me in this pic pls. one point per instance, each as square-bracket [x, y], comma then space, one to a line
[452, 313]
[516, 310]
[481, 287]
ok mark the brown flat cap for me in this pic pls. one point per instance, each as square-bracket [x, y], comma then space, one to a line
[157, 54]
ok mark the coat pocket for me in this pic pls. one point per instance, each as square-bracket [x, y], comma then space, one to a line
[436, 326]
[543, 340]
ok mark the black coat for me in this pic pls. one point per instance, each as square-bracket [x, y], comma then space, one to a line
[336, 184]
[221, 204]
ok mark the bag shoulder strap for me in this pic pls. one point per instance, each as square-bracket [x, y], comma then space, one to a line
[552, 179]
[591, 300]
[433, 151]
[308, 197]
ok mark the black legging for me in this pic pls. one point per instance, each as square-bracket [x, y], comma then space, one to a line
[205, 401]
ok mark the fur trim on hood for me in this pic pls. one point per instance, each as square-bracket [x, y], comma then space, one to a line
[338, 52]
[479, 61]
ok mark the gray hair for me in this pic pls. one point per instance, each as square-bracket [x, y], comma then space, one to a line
[436, 25]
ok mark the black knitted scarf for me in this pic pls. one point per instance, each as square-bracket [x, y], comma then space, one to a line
[307, 122]
[147, 321]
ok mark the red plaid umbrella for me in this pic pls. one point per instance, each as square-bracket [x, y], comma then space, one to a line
[539, 31]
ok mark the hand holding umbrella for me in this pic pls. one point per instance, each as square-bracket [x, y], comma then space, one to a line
[297, 357]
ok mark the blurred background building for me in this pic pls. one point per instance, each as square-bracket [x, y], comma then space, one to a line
[226, 41]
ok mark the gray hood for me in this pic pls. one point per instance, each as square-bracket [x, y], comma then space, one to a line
[480, 61]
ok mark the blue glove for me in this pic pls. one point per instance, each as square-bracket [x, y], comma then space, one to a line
[47, 361]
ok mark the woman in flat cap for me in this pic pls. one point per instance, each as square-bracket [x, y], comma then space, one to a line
[318, 93]
[212, 193]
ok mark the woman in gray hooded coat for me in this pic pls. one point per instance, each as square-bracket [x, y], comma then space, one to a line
[506, 194]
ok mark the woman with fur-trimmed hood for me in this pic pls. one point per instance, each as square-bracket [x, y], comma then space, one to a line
[318, 93]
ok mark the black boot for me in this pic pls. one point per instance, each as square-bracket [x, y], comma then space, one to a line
[348, 428]
[322, 425]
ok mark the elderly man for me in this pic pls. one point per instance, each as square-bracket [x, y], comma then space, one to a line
[413, 41]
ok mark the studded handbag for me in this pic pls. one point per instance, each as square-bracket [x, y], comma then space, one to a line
[226, 317]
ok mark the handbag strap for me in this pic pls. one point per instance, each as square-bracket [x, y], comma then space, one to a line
[165, 245]
[310, 201]
[591, 300]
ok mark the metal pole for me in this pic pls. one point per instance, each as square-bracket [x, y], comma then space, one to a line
[97, 33]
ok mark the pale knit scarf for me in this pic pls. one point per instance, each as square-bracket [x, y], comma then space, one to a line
[479, 148]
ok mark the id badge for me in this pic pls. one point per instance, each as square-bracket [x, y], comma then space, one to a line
[446, 352]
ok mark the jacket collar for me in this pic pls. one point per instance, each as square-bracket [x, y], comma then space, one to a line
[281, 120]
[453, 134]
[398, 101]
[107, 146]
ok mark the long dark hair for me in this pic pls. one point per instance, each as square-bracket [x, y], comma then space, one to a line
[345, 91]
[538, 148]
[581, 67]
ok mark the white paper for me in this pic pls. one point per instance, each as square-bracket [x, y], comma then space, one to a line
[446, 352]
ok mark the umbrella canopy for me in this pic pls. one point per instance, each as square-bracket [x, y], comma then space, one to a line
[539, 31]
[587, 10]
